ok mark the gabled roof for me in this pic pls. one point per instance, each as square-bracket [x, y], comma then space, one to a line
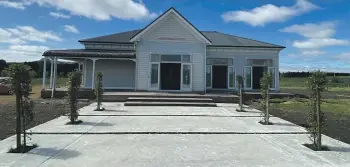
[162, 16]
[123, 37]
[216, 38]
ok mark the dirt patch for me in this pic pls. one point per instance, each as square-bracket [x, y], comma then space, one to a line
[45, 110]
[337, 125]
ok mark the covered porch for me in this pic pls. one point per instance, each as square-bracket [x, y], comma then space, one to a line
[117, 66]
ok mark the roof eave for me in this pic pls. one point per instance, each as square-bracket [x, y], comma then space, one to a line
[271, 47]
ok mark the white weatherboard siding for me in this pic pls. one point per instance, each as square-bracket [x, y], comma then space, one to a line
[146, 48]
[170, 36]
[241, 54]
[170, 27]
[116, 73]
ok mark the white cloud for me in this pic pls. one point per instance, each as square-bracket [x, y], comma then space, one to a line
[59, 15]
[17, 5]
[269, 13]
[317, 35]
[71, 28]
[344, 57]
[322, 30]
[23, 34]
[317, 43]
[312, 52]
[20, 53]
[101, 9]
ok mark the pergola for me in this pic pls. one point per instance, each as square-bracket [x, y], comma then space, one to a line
[81, 56]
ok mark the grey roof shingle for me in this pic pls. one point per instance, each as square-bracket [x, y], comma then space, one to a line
[216, 38]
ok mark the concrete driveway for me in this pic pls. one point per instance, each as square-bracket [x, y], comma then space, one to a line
[172, 136]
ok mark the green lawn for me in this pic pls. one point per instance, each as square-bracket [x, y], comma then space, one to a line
[36, 89]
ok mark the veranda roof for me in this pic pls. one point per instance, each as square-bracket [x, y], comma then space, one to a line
[90, 53]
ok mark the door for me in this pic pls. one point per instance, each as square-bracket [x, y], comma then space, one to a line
[258, 73]
[186, 77]
[170, 74]
[154, 76]
[231, 75]
[272, 71]
[219, 77]
[247, 77]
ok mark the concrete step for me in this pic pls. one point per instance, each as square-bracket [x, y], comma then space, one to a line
[193, 104]
[168, 99]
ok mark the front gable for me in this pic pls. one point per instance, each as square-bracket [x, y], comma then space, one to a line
[170, 26]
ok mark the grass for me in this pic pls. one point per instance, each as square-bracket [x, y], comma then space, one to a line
[36, 90]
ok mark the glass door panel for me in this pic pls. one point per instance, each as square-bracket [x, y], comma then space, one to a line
[231, 77]
[186, 77]
[154, 76]
[248, 77]
[208, 76]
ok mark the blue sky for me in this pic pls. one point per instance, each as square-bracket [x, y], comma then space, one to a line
[315, 32]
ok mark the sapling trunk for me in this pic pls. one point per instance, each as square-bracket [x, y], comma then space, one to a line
[18, 111]
[267, 107]
[318, 106]
[240, 98]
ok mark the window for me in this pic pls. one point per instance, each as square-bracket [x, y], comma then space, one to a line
[208, 76]
[170, 58]
[175, 58]
[259, 62]
[186, 58]
[219, 61]
[155, 58]
[186, 76]
[231, 77]
[248, 77]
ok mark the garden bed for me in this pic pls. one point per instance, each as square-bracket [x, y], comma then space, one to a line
[45, 110]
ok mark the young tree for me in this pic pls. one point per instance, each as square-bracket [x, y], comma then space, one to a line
[98, 90]
[240, 83]
[20, 84]
[74, 81]
[317, 83]
[265, 83]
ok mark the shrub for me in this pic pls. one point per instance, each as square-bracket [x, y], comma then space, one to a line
[316, 84]
[265, 83]
[98, 90]
[21, 76]
[74, 81]
[240, 83]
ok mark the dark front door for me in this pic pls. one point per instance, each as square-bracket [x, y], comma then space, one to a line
[258, 73]
[219, 77]
[170, 76]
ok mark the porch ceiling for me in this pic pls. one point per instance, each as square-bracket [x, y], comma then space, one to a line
[90, 53]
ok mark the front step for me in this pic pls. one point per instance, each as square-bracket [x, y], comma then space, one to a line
[168, 99]
[161, 103]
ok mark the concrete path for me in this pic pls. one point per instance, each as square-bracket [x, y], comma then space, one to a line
[102, 140]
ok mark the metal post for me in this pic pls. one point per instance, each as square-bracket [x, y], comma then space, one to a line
[93, 73]
[44, 74]
[54, 78]
[51, 72]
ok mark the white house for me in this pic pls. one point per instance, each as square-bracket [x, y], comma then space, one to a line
[171, 54]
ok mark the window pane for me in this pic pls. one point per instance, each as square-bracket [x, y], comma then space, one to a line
[171, 58]
[154, 76]
[208, 76]
[218, 61]
[186, 58]
[248, 77]
[154, 58]
[231, 76]
[259, 62]
[186, 76]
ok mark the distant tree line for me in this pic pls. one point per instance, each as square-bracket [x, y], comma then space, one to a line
[308, 74]
[37, 66]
